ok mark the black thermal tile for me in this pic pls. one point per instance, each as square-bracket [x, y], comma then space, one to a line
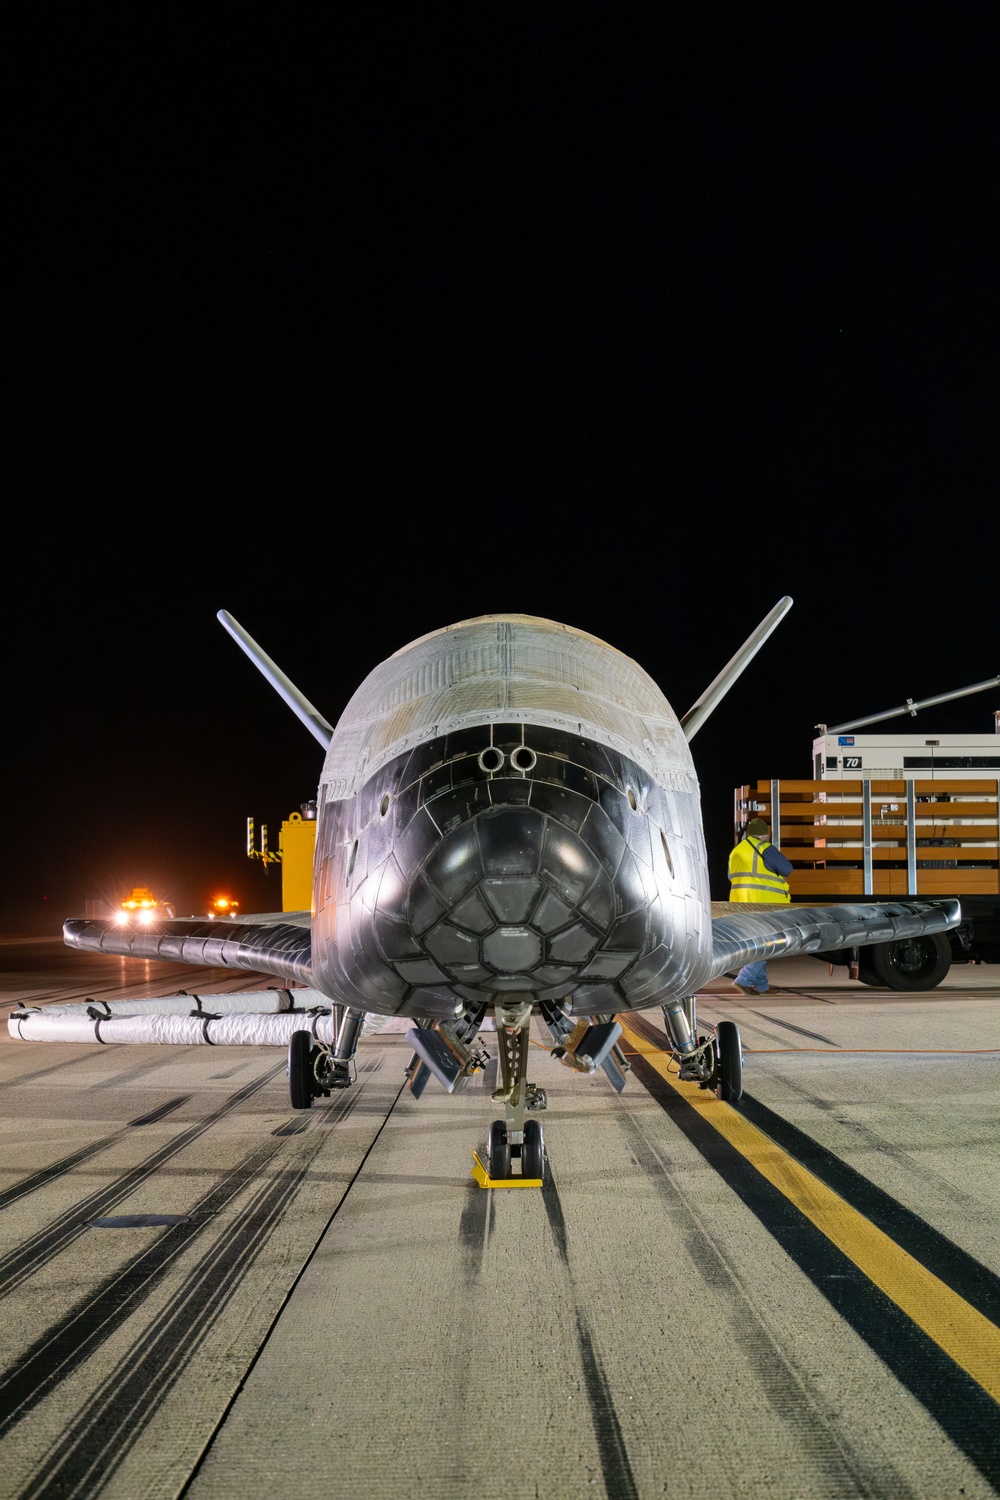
[630, 931]
[567, 862]
[599, 903]
[404, 806]
[511, 900]
[417, 843]
[554, 742]
[551, 913]
[607, 965]
[395, 939]
[568, 808]
[448, 946]
[455, 866]
[647, 971]
[573, 944]
[434, 783]
[425, 907]
[630, 892]
[555, 973]
[420, 971]
[510, 841]
[614, 805]
[460, 803]
[579, 779]
[473, 914]
[467, 742]
[597, 1000]
[508, 736]
[392, 891]
[603, 838]
[509, 791]
[422, 758]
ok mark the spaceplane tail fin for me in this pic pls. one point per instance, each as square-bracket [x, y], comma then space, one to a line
[297, 702]
[717, 690]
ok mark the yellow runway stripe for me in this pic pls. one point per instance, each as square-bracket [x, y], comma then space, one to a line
[968, 1338]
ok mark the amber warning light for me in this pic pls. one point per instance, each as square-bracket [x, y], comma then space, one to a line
[224, 906]
[142, 907]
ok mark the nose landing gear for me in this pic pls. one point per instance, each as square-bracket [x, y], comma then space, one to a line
[514, 1139]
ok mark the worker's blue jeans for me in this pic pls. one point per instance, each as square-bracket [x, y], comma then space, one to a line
[753, 976]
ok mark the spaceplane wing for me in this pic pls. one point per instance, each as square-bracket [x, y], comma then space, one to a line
[509, 826]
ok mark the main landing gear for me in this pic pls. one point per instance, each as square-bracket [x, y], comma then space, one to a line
[713, 1062]
[315, 1070]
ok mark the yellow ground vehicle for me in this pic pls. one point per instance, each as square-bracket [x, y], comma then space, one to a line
[142, 907]
[224, 906]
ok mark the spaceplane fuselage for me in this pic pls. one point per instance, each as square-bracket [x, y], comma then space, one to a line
[509, 811]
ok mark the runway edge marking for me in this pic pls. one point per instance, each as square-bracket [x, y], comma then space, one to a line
[967, 1337]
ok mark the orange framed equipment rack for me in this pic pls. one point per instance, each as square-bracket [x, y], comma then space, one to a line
[881, 838]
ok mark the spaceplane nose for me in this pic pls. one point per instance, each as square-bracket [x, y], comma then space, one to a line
[512, 901]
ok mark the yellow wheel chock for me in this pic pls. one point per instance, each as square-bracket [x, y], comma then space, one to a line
[484, 1179]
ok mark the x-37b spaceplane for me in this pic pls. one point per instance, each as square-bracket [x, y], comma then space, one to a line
[509, 828]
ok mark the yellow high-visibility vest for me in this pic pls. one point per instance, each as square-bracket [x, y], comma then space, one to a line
[750, 879]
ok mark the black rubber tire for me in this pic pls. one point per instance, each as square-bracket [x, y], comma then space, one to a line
[532, 1151]
[866, 974]
[301, 1079]
[729, 1079]
[912, 963]
[498, 1151]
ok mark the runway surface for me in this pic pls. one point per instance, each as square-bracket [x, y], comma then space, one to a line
[798, 1296]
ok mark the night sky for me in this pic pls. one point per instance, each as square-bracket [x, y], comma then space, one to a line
[359, 327]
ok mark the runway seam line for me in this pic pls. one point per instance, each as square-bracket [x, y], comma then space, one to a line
[224, 1416]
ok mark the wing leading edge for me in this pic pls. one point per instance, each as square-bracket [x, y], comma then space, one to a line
[280, 945]
[745, 933]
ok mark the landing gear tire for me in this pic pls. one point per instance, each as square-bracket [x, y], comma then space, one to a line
[729, 1073]
[498, 1150]
[912, 963]
[532, 1153]
[300, 1070]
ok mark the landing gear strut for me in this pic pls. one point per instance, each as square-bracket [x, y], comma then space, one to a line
[514, 1138]
[713, 1062]
[316, 1070]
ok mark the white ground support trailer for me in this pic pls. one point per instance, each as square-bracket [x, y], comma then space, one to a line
[892, 814]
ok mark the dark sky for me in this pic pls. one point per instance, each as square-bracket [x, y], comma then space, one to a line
[360, 327]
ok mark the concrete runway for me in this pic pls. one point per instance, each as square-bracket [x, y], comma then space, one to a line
[798, 1296]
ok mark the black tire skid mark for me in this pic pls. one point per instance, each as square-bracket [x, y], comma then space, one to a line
[967, 1277]
[783, 1388]
[333, 1114]
[21, 1263]
[864, 1136]
[956, 1402]
[114, 1419]
[46, 1175]
[476, 1224]
[291, 1290]
[63, 1348]
[619, 1481]
[799, 1030]
[23, 1078]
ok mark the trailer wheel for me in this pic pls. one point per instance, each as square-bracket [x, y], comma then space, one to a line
[866, 972]
[912, 963]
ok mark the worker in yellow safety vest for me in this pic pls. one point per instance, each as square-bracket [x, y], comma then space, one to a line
[758, 872]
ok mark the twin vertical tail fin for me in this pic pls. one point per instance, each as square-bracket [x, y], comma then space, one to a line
[297, 702]
[717, 690]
